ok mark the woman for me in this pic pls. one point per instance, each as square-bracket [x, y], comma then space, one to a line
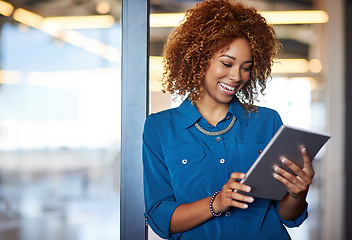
[195, 155]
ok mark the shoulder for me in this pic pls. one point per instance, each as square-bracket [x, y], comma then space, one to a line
[260, 113]
[267, 112]
[162, 116]
[160, 120]
[265, 119]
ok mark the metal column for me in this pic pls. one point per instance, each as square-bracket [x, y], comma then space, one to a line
[135, 58]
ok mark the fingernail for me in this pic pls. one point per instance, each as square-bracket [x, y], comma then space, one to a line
[304, 150]
[276, 176]
[284, 160]
[277, 169]
[248, 189]
[245, 205]
[250, 199]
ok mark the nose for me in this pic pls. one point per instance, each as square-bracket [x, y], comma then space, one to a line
[235, 73]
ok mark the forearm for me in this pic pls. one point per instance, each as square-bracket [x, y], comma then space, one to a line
[189, 215]
[290, 208]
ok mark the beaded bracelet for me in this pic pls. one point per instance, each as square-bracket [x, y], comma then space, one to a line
[211, 205]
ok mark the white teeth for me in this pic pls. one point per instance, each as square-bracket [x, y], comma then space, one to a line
[227, 87]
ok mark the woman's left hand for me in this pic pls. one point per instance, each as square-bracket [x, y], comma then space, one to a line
[297, 185]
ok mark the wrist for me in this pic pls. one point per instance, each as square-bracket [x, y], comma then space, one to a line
[299, 197]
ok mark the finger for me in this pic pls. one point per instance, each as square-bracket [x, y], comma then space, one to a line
[239, 201]
[239, 205]
[307, 162]
[306, 174]
[240, 197]
[295, 168]
[294, 190]
[236, 176]
[231, 199]
[240, 187]
[295, 180]
[237, 197]
[291, 187]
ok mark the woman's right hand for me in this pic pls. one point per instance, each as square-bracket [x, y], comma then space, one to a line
[228, 197]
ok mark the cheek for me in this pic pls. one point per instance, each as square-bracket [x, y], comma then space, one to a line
[246, 77]
[220, 72]
[215, 73]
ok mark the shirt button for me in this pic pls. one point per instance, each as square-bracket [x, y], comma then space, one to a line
[218, 139]
[227, 214]
[184, 161]
[222, 161]
[227, 117]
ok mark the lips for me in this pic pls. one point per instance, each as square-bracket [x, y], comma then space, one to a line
[227, 88]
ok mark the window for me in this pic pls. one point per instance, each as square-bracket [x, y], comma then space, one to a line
[60, 118]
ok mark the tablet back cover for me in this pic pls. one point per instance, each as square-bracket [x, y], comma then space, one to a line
[287, 142]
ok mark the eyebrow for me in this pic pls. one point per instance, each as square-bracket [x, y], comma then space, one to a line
[233, 58]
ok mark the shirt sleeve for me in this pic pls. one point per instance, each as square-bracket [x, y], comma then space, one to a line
[158, 193]
[293, 223]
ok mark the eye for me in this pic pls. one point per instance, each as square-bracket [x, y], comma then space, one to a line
[246, 69]
[226, 64]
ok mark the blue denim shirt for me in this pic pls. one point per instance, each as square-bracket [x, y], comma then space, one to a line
[183, 165]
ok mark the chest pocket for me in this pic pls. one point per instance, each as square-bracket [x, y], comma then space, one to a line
[186, 168]
[250, 151]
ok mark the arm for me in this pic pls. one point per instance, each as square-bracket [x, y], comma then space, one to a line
[189, 215]
[293, 204]
[164, 214]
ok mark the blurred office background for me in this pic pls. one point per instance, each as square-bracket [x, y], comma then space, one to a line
[61, 110]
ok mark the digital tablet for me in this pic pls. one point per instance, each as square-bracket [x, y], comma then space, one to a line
[287, 142]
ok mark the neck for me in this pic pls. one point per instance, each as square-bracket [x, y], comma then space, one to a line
[212, 111]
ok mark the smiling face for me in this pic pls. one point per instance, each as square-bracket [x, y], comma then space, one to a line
[227, 73]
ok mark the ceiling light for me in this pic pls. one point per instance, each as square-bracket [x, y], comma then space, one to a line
[273, 17]
[166, 19]
[103, 7]
[295, 17]
[6, 9]
[82, 22]
[290, 66]
[31, 19]
[315, 65]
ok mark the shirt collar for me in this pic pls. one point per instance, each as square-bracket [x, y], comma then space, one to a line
[239, 112]
[189, 114]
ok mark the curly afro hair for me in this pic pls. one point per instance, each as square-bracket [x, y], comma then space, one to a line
[208, 28]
